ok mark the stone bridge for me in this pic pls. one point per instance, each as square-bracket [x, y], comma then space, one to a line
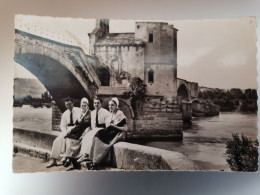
[64, 70]
[187, 90]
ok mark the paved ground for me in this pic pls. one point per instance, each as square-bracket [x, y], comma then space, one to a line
[26, 164]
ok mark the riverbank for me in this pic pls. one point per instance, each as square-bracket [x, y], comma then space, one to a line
[204, 141]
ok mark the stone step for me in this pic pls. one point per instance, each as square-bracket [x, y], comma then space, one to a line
[31, 150]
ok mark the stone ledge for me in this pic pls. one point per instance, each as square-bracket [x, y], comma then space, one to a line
[32, 151]
[35, 138]
[124, 156]
[129, 157]
[136, 157]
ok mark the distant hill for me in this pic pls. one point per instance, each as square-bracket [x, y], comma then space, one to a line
[24, 87]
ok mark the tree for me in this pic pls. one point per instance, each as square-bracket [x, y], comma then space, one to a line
[46, 96]
[137, 92]
[242, 153]
[28, 99]
[138, 88]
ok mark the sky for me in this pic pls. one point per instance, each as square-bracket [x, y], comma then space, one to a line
[213, 52]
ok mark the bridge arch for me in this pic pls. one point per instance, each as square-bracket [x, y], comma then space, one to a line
[183, 92]
[59, 67]
[56, 77]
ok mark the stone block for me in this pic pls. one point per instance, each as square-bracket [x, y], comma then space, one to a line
[136, 157]
[163, 102]
[32, 151]
[149, 118]
[147, 109]
[34, 138]
[139, 126]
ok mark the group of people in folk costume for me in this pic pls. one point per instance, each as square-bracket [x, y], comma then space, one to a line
[88, 135]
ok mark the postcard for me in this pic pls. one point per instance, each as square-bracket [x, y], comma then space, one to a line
[120, 95]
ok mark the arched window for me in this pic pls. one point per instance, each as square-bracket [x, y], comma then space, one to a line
[104, 76]
[150, 76]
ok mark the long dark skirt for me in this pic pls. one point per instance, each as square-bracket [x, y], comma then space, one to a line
[102, 144]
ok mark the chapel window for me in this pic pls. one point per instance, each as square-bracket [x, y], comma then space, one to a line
[150, 76]
[150, 38]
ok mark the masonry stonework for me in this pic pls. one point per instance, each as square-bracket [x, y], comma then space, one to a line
[158, 118]
[56, 117]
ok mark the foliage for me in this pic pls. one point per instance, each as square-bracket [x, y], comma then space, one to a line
[48, 105]
[45, 100]
[231, 99]
[17, 104]
[138, 88]
[242, 153]
[46, 96]
[137, 92]
[36, 105]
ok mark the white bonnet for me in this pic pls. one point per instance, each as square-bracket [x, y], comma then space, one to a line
[114, 99]
[84, 100]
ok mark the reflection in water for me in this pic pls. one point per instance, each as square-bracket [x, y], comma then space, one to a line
[205, 140]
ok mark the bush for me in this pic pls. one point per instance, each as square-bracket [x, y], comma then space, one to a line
[48, 105]
[36, 105]
[242, 153]
[137, 92]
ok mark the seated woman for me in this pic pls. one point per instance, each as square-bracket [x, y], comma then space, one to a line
[106, 138]
[99, 121]
[73, 141]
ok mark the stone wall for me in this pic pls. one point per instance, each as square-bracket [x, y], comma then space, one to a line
[186, 111]
[194, 89]
[165, 81]
[129, 59]
[204, 109]
[56, 117]
[158, 118]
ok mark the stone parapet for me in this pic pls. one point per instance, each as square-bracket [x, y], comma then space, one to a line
[34, 138]
[124, 155]
[136, 157]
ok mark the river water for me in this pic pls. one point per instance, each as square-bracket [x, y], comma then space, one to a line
[204, 140]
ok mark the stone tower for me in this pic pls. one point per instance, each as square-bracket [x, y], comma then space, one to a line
[101, 30]
[160, 57]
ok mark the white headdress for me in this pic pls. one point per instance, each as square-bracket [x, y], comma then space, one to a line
[114, 99]
[84, 100]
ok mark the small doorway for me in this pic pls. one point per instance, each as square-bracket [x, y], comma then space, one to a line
[104, 76]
